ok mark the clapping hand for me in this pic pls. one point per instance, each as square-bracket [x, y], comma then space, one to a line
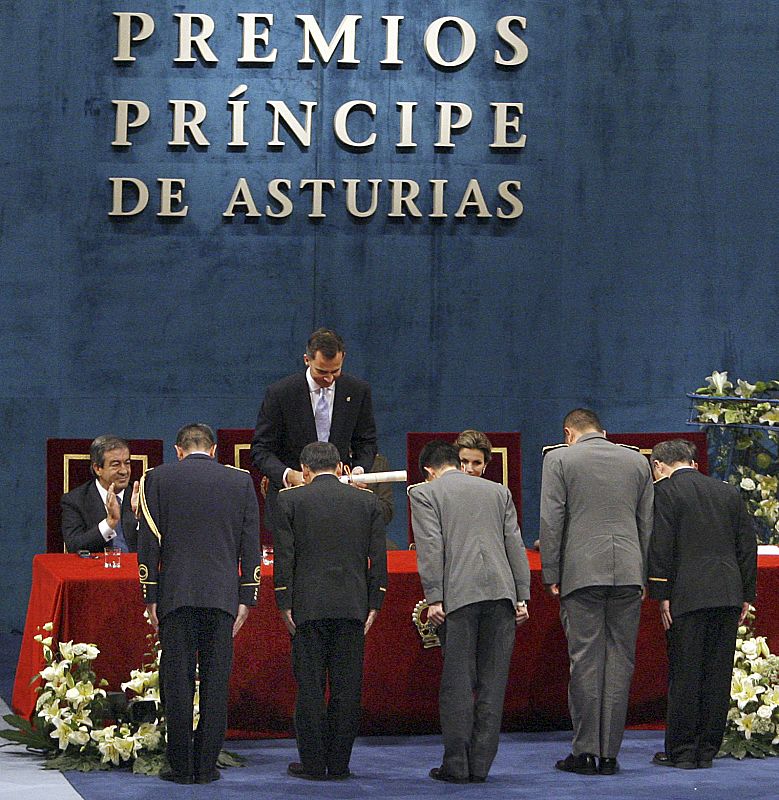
[112, 508]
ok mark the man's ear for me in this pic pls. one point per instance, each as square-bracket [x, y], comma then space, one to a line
[339, 470]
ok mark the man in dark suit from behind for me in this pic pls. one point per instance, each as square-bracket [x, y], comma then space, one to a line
[101, 513]
[321, 404]
[199, 566]
[330, 577]
[702, 569]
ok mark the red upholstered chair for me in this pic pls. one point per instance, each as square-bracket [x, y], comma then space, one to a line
[232, 447]
[67, 466]
[646, 441]
[505, 466]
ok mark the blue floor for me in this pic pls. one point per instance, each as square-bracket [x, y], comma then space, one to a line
[394, 768]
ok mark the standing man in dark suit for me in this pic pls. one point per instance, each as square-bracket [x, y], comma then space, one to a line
[100, 513]
[476, 578]
[702, 569]
[330, 577]
[596, 518]
[320, 404]
[199, 566]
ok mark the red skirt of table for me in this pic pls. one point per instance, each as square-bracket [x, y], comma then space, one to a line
[88, 603]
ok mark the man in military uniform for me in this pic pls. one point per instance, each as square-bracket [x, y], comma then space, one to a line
[702, 569]
[596, 518]
[199, 566]
[474, 570]
[330, 577]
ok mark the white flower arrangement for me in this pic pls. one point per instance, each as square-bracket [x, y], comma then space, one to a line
[71, 722]
[753, 718]
[73, 726]
[743, 432]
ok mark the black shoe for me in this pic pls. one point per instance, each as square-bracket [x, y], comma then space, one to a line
[297, 770]
[608, 766]
[583, 764]
[704, 764]
[174, 777]
[664, 760]
[438, 774]
[477, 778]
[339, 776]
[209, 778]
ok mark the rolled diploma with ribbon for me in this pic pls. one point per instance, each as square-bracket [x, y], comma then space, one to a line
[376, 477]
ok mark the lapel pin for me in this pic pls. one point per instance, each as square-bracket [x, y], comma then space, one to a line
[349, 399]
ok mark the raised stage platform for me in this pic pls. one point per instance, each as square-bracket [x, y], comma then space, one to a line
[89, 603]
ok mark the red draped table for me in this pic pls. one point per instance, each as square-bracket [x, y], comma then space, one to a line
[88, 603]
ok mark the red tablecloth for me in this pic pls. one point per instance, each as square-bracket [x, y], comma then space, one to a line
[89, 603]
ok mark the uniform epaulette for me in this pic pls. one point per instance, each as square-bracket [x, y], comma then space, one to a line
[664, 478]
[296, 486]
[232, 466]
[409, 488]
[630, 446]
[551, 447]
[144, 508]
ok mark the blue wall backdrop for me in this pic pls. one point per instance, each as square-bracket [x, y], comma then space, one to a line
[646, 255]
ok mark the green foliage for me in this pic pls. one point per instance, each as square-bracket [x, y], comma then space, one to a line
[228, 759]
[32, 735]
[743, 432]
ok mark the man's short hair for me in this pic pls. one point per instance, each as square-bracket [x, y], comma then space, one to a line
[675, 451]
[196, 436]
[324, 341]
[437, 454]
[101, 446]
[582, 419]
[320, 457]
[475, 440]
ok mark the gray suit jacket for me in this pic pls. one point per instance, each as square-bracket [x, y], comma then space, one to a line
[596, 515]
[469, 547]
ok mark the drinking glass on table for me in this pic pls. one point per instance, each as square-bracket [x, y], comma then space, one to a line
[112, 558]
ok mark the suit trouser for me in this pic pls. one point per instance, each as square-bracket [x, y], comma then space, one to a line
[601, 625]
[477, 641]
[700, 665]
[191, 637]
[325, 649]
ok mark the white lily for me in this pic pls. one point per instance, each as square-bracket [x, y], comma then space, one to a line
[79, 737]
[55, 673]
[745, 389]
[770, 417]
[81, 693]
[148, 735]
[745, 723]
[747, 694]
[718, 382]
[66, 648]
[62, 731]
